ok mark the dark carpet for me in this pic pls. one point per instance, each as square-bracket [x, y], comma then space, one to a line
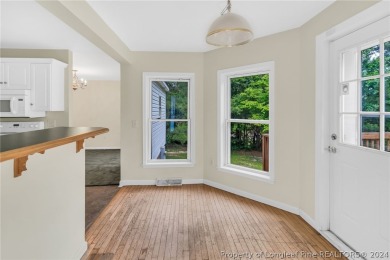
[102, 167]
[96, 199]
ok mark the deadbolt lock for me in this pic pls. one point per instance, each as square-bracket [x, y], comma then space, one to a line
[333, 136]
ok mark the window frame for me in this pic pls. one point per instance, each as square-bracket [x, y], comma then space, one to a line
[148, 78]
[224, 119]
[382, 114]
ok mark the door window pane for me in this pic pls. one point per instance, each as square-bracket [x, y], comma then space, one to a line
[370, 95]
[349, 126]
[387, 57]
[250, 97]
[349, 59]
[387, 94]
[249, 145]
[370, 61]
[349, 98]
[387, 133]
[370, 132]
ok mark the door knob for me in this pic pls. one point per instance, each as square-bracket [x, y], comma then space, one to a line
[332, 149]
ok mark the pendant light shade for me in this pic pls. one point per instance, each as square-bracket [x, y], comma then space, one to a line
[229, 30]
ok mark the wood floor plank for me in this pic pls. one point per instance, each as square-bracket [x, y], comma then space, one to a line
[197, 222]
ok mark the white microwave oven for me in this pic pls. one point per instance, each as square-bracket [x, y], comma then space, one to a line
[16, 103]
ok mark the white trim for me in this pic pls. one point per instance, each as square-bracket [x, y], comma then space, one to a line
[309, 220]
[340, 245]
[223, 95]
[147, 78]
[153, 182]
[273, 203]
[102, 148]
[322, 186]
[81, 251]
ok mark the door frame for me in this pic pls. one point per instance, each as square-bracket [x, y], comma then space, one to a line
[322, 134]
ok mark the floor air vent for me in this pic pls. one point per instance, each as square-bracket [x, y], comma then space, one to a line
[169, 182]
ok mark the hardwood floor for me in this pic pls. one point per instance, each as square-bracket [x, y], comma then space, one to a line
[199, 222]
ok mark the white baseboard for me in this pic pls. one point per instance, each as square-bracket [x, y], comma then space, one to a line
[340, 245]
[81, 251]
[309, 220]
[252, 196]
[153, 182]
[102, 148]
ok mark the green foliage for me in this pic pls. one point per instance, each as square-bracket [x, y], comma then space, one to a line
[246, 160]
[179, 92]
[370, 61]
[179, 135]
[370, 95]
[249, 100]
[370, 124]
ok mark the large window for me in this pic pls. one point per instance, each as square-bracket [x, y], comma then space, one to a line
[168, 119]
[246, 136]
[365, 95]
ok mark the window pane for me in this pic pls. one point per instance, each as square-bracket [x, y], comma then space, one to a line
[370, 61]
[387, 94]
[349, 99]
[370, 132]
[370, 95]
[250, 97]
[249, 145]
[349, 66]
[387, 134]
[177, 100]
[349, 126]
[169, 100]
[387, 57]
[169, 140]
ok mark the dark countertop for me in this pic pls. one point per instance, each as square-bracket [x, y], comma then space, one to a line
[22, 144]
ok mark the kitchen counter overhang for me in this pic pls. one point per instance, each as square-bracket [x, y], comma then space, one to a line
[19, 146]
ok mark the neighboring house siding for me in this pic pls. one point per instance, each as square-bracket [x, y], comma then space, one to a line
[158, 128]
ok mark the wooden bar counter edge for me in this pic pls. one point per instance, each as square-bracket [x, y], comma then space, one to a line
[19, 146]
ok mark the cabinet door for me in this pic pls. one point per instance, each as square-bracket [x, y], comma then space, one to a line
[40, 87]
[15, 75]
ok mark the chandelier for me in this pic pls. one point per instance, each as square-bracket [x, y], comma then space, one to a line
[78, 83]
[229, 29]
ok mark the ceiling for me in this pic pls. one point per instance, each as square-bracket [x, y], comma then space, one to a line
[178, 26]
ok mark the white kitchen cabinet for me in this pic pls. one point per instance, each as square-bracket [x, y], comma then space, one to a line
[47, 85]
[14, 75]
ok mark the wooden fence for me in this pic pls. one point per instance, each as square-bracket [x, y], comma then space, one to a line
[372, 140]
[265, 147]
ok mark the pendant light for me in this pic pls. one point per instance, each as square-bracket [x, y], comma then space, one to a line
[229, 29]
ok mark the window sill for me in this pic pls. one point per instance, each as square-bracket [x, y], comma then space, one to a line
[247, 174]
[168, 165]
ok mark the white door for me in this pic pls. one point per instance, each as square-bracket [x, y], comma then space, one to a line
[360, 146]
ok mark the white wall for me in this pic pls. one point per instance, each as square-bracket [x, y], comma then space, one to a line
[98, 105]
[333, 15]
[131, 113]
[43, 211]
[284, 49]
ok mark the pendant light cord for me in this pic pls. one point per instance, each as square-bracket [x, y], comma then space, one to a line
[228, 8]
